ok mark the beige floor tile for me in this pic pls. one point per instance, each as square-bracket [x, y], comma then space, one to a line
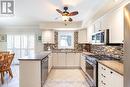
[66, 78]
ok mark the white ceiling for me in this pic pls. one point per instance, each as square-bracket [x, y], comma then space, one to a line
[32, 12]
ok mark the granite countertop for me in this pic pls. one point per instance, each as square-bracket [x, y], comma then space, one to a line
[35, 57]
[114, 65]
[87, 53]
[66, 51]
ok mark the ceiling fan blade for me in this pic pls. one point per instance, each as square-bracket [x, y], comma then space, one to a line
[59, 11]
[73, 13]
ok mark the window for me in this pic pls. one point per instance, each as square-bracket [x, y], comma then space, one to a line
[66, 40]
[22, 45]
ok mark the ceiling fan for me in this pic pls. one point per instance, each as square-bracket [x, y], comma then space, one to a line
[66, 15]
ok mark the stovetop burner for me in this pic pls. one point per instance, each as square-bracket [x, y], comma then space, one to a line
[95, 58]
[101, 57]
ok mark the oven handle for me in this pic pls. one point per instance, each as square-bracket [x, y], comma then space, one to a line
[94, 65]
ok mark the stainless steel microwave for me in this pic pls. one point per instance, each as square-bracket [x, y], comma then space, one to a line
[101, 37]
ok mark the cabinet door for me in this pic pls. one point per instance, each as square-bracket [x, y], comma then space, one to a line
[115, 22]
[90, 31]
[82, 36]
[55, 59]
[70, 59]
[97, 25]
[77, 59]
[61, 59]
[48, 37]
[114, 79]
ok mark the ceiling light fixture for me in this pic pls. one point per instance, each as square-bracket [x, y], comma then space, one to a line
[66, 15]
[67, 19]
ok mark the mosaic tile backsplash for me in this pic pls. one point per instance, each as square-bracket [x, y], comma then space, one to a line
[112, 51]
[77, 47]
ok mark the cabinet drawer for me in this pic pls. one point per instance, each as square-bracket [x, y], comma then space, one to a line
[108, 78]
[101, 67]
[102, 84]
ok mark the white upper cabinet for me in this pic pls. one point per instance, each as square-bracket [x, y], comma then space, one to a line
[82, 36]
[90, 31]
[114, 21]
[48, 36]
[97, 25]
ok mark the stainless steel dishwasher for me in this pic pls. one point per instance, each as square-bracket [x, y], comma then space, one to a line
[44, 70]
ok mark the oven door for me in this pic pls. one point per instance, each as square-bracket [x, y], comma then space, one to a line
[91, 71]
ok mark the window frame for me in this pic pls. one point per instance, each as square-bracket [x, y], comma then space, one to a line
[71, 33]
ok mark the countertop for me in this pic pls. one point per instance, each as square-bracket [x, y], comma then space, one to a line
[87, 53]
[35, 57]
[114, 65]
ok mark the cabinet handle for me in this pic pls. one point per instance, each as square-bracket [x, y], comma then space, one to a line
[111, 72]
[103, 83]
[103, 75]
[103, 68]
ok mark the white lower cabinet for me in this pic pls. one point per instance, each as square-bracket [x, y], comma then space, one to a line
[61, 59]
[77, 59]
[70, 59]
[55, 59]
[108, 77]
[66, 60]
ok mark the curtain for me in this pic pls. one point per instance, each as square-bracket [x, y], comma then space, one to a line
[21, 44]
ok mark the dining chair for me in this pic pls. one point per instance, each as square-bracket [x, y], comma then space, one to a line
[5, 65]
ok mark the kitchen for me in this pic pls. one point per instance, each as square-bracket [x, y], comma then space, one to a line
[89, 53]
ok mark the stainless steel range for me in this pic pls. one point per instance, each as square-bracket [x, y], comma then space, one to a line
[92, 67]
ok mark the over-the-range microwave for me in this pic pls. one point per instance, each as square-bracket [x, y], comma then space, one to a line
[101, 37]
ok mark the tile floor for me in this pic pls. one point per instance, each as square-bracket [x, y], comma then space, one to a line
[66, 78]
[56, 78]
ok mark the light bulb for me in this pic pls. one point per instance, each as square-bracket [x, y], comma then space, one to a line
[65, 18]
